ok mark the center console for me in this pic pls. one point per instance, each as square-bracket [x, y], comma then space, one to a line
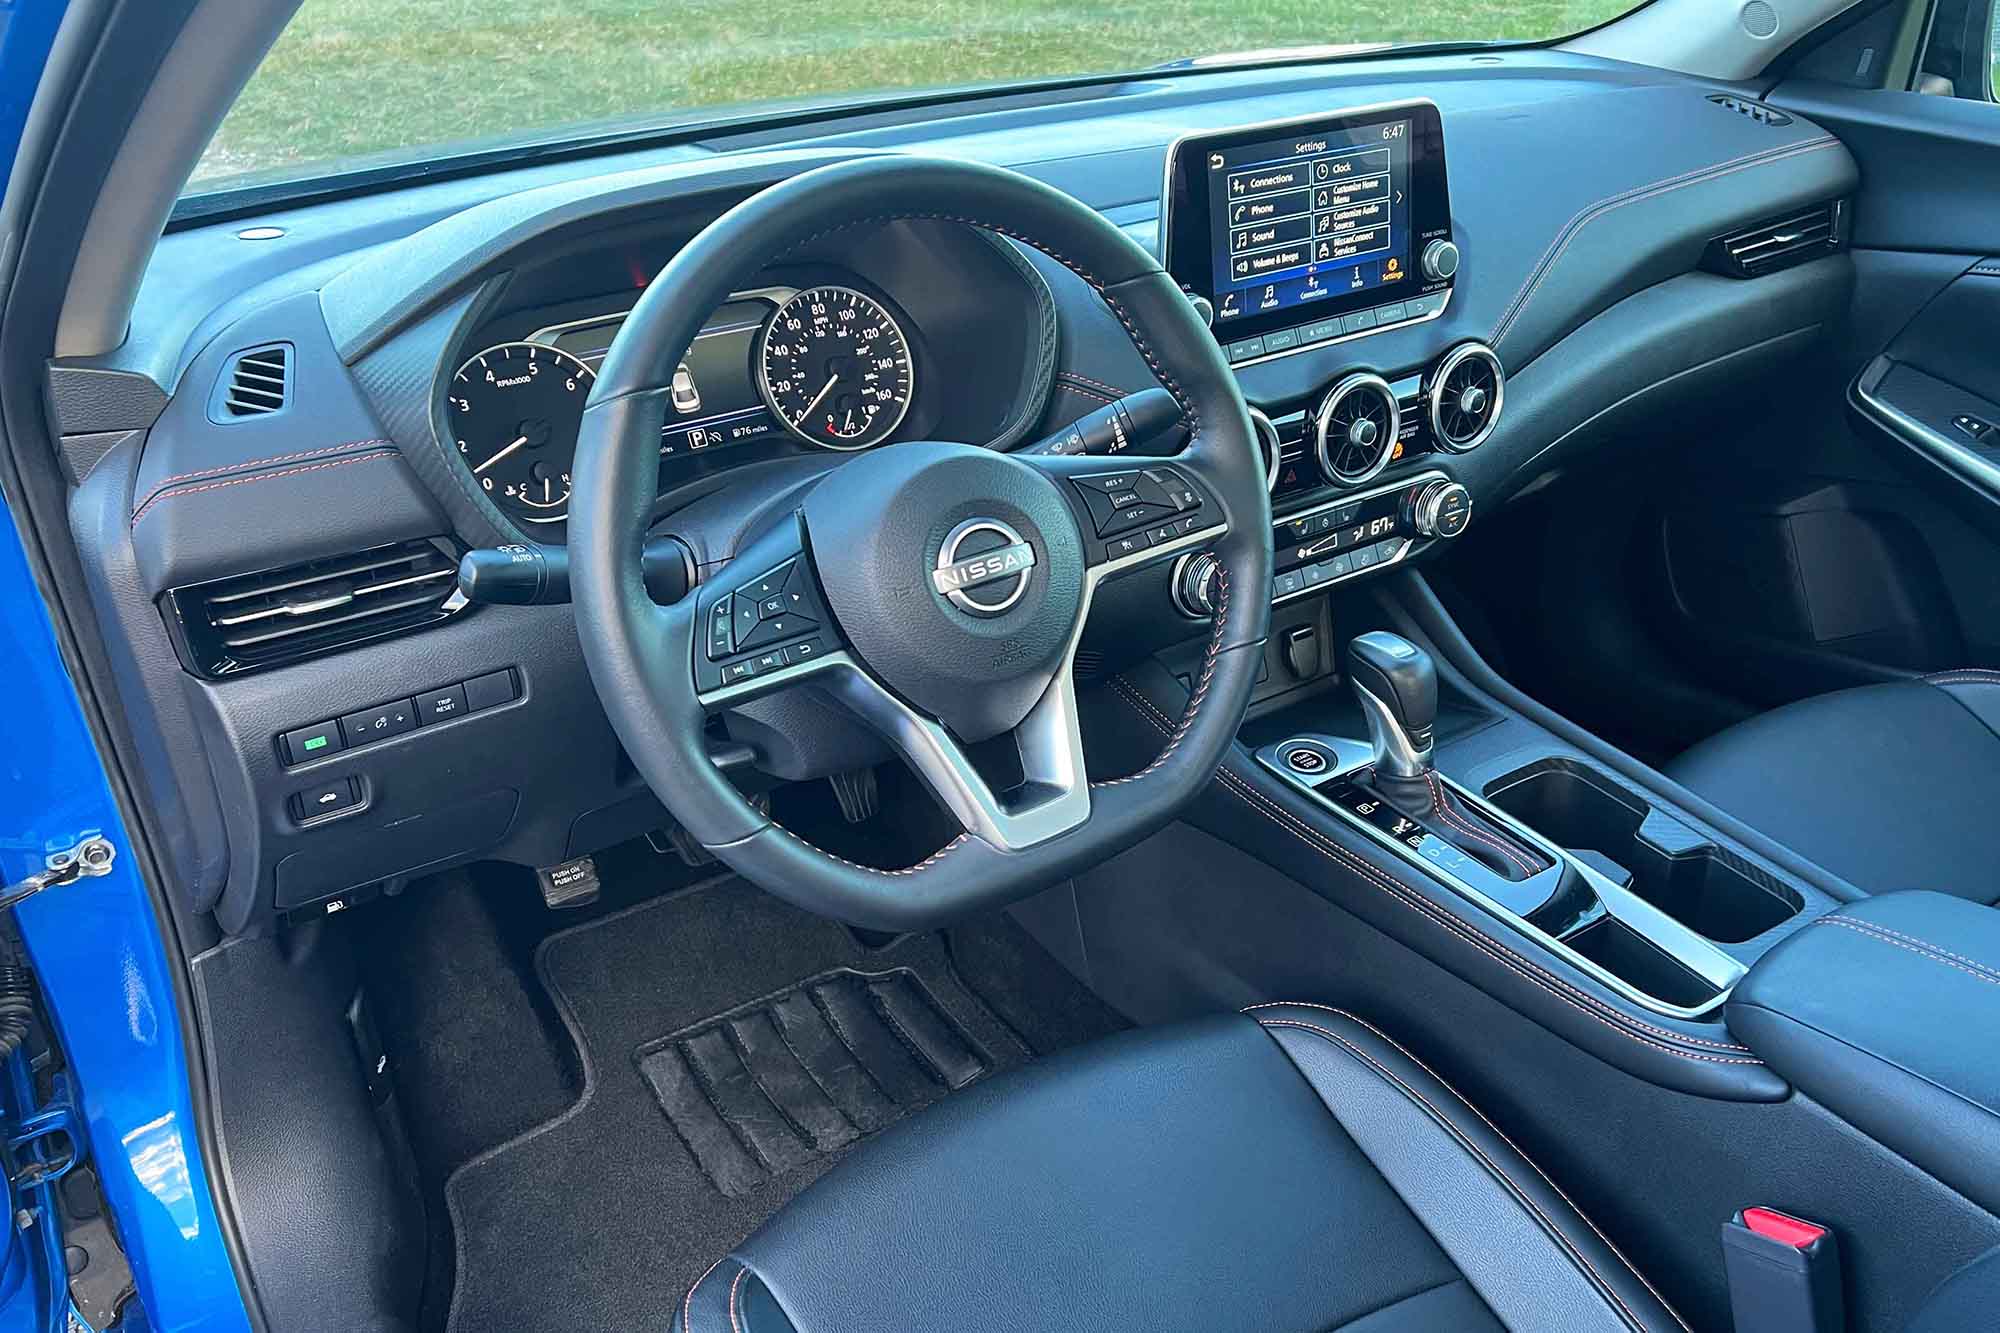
[1302, 237]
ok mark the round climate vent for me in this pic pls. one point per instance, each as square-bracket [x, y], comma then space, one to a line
[1465, 397]
[1356, 428]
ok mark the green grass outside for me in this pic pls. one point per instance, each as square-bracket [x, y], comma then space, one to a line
[352, 77]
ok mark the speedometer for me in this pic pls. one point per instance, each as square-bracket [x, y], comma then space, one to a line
[835, 367]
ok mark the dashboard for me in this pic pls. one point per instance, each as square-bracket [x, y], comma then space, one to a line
[341, 411]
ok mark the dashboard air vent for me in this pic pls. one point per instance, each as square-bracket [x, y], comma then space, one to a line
[1465, 396]
[257, 383]
[1752, 110]
[1356, 429]
[253, 621]
[1780, 243]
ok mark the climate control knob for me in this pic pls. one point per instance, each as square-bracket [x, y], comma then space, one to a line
[1194, 585]
[1441, 509]
[1440, 260]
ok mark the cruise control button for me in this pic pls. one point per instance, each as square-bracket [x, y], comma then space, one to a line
[1108, 481]
[1124, 499]
[1178, 492]
[1138, 516]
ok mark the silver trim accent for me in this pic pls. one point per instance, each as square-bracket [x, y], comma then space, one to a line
[1424, 513]
[764, 378]
[1358, 498]
[1395, 750]
[1274, 449]
[1361, 379]
[1435, 396]
[1284, 123]
[774, 296]
[1432, 259]
[1692, 951]
[1177, 583]
[1941, 449]
[1055, 797]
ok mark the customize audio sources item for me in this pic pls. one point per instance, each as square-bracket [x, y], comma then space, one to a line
[1299, 232]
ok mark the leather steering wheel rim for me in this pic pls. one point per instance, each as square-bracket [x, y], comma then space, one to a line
[642, 656]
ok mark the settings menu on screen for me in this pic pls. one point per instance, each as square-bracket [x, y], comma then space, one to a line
[1310, 217]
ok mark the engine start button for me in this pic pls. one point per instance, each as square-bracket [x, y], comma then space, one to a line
[1308, 759]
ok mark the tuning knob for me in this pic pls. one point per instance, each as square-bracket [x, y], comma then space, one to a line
[1440, 260]
[1194, 585]
[1441, 509]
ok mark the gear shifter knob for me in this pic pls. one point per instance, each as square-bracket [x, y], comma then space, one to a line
[1396, 683]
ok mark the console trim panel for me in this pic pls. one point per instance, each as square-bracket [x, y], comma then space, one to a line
[1690, 950]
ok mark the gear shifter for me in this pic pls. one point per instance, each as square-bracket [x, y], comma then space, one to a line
[1396, 684]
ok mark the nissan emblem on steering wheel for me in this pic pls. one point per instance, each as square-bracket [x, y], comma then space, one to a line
[984, 567]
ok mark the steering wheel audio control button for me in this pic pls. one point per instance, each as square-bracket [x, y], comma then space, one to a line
[721, 641]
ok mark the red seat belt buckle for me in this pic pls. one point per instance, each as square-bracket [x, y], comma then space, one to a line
[1784, 1273]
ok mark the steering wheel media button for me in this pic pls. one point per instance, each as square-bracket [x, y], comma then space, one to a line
[772, 606]
[775, 630]
[805, 650]
[770, 585]
[736, 671]
[721, 618]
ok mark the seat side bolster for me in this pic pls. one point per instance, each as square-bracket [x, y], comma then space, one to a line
[1531, 1255]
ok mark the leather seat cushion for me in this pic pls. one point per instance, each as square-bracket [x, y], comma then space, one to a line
[1888, 786]
[1291, 1171]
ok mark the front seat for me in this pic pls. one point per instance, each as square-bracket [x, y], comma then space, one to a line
[1887, 786]
[1291, 1169]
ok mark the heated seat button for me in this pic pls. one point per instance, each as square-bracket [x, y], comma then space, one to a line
[315, 742]
[379, 723]
[442, 705]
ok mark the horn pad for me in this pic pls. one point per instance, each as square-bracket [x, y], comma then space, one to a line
[957, 573]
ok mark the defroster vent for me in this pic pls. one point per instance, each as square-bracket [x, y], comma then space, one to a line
[253, 621]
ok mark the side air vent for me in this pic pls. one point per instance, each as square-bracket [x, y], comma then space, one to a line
[1780, 243]
[1749, 109]
[253, 621]
[257, 383]
[1356, 428]
[1465, 396]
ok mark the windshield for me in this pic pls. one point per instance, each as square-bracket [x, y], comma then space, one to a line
[360, 83]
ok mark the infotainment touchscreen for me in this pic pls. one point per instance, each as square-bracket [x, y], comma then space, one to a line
[1281, 226]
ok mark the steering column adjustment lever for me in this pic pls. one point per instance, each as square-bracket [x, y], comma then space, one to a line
[1114, 428]
[522, 575]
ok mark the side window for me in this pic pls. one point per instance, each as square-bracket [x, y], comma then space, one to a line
[1962, 56]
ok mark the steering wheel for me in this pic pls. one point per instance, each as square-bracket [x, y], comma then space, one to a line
[937, 590]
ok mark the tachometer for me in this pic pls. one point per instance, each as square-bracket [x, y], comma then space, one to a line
[835, 367]
[515, 411]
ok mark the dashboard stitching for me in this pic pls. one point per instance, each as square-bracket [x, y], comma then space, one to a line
[1333, 851]
[261, 476]
[1591, 212]
[1094, 395]
[1568, 1245]
[1099, 385]
[1407, 1054]
[250, 463]
[1145, 348]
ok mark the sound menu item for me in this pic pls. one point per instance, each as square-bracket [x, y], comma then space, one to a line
[1281, 225]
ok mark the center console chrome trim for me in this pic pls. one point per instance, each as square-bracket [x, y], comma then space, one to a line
[1694, 952]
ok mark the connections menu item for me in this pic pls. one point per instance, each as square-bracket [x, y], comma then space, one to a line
[1302, 223]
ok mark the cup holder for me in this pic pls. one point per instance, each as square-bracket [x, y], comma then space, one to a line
[1697, 883]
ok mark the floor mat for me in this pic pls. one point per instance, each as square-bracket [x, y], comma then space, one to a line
[733, 1049]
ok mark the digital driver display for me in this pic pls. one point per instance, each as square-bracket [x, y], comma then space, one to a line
[1308, 217]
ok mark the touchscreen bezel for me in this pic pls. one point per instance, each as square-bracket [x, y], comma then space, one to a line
[1187, 238]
